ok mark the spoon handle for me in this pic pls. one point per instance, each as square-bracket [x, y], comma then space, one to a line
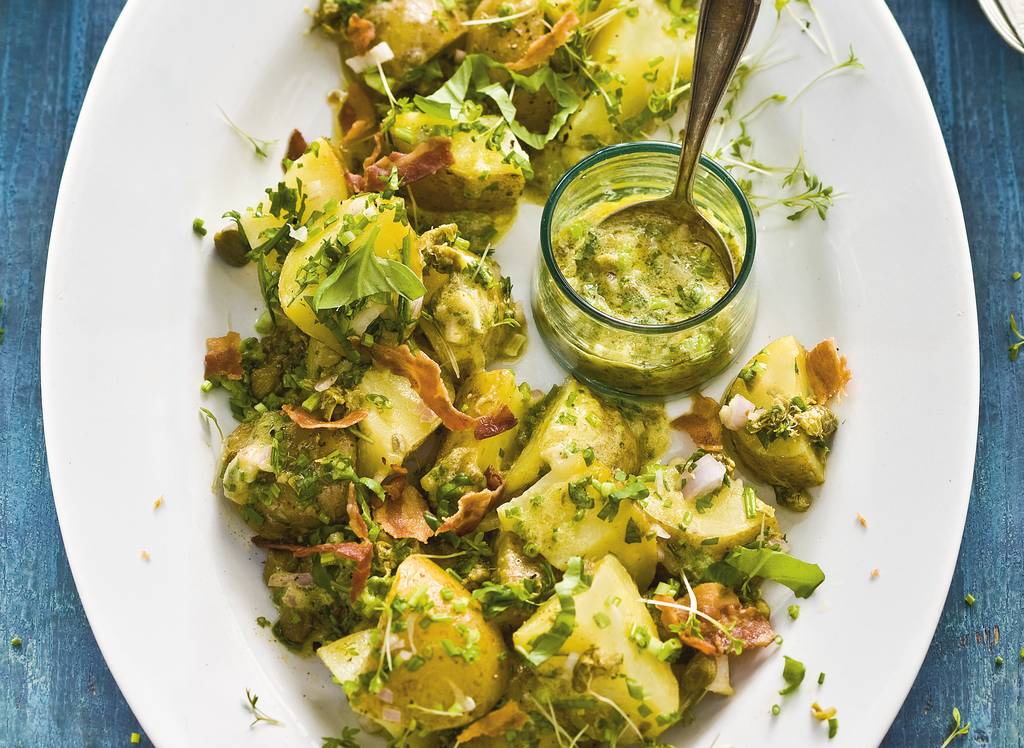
[723, 29]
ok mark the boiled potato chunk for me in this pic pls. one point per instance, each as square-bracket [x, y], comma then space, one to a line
[572, 419]
[645, 59]
[550, 516]
[302, 271]
[398, 421]
[484, 393]
[471, 318]
[262, 459]
[506, 41]
[610, 621]
[449, 665]
[716, 523]
[482, 178]
[322, 178]
[773, 377]
[416, 30]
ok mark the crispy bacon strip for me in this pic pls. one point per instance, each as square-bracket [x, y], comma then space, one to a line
[424, 375]
[357, 117]
[224, 356]
[827, 370]
[297, 145]
[361, 33]
[747, 624]
[498, 422]
[355, 517]
[427, 158]
[510, 716]
[474, 506]
[361, 553]
[702, 423]
[541, 49]
[306, 420]
[401, 514]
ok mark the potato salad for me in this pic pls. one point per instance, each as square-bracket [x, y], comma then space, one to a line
[474, 561]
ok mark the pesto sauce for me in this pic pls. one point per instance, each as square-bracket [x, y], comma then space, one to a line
[651, 274]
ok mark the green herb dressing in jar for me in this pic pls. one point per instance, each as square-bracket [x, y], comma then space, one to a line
[642, 309]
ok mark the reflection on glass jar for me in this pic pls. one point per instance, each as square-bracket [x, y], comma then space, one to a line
[627, 356]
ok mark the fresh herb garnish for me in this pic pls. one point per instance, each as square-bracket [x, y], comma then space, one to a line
[793, 672]
[547, 644]
[261, 147]
[199, 227]
[348, 739]
[364, 274]
[1015, 347]
[258, 714]
[958, 729]
[209, 416]
[794, 611]
[742, 564]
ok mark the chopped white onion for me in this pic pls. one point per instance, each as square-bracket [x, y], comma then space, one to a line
[376, 55]
[299, 234]
[735, 415]
[326, 383]
[721, 684]
[570, 663]
[386, 695]
[708, 475]
[390, 714]
[365, 316]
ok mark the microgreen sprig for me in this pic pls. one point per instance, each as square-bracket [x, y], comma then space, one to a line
[958, 729]
[258, 714]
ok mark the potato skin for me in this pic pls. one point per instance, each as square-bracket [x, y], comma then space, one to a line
[480, 179]
[478, 670]
[506, 41]
[416, 30]
[284, 516]
[779, 373]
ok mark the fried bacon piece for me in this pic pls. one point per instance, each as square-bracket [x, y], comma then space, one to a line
[401, 514]
[357, 117]
[498, 422]
[746, 624]
[361, 33]
[474, 506]
[306, 420]
[827, 370]
[427, 158]
[361, 553]
[541, 49]
[702, 423]
[424, 375]
[509, 716]
[297, 145]
[224, 356]
[355, 517]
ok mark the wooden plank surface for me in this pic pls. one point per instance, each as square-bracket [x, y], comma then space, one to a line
[55, 689]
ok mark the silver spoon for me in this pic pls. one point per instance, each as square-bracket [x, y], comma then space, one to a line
[723, 29]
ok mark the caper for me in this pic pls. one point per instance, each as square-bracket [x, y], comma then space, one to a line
[232, 247]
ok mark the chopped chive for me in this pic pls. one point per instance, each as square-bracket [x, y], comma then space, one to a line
[16, 641]
[206, 386]
[999, 661]
[970, 599]
[135, 738]
[833, 727]
[1016, 276]
[794, 611]
[821, 679]
[776, 709]
[198, 228]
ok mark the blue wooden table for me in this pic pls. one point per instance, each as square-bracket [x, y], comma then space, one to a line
[55, 689]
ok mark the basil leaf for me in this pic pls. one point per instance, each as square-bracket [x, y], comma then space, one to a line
[801, 577]
[547, 644]
[793, 673]
[365, 274]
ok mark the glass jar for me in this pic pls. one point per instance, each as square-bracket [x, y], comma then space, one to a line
[627, 357]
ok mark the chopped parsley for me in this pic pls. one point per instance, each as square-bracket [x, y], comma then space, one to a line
[199, 227]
